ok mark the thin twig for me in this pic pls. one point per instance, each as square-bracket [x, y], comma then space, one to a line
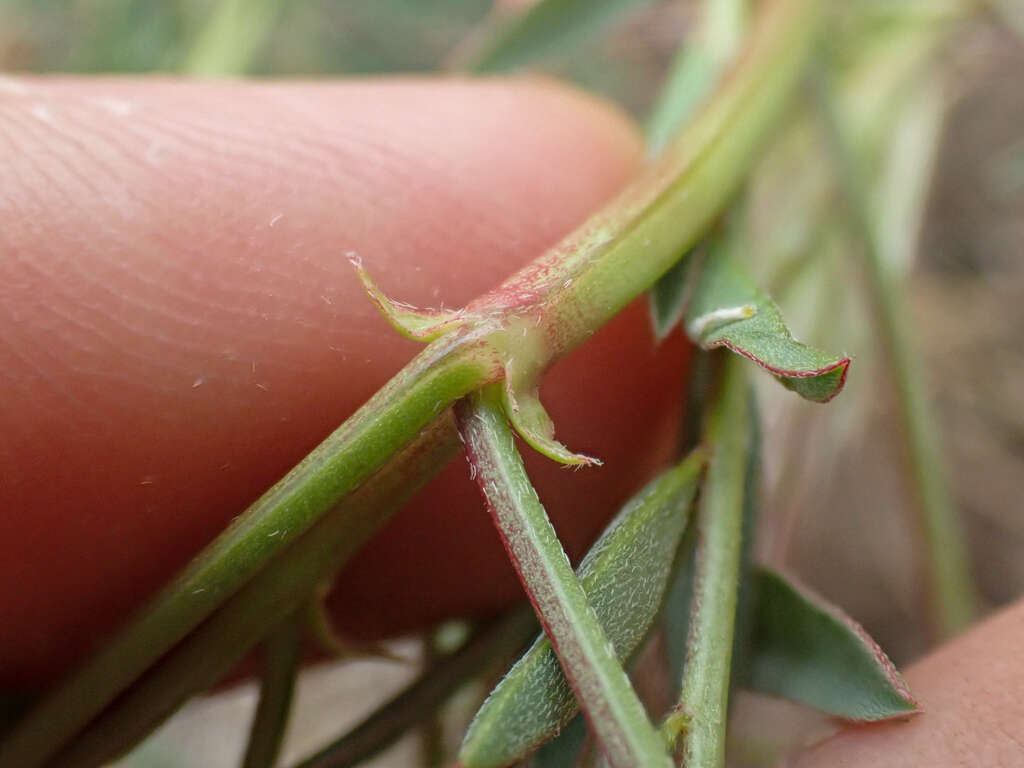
[612, 708]
[704, 704]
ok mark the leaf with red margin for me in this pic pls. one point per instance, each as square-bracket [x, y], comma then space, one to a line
[807, 650]
[726, 309]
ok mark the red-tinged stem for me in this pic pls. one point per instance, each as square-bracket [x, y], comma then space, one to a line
[615, 714]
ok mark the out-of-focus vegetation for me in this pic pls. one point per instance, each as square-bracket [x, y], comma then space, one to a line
[317, 38]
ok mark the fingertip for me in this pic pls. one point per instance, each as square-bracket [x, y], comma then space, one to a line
[181, 326]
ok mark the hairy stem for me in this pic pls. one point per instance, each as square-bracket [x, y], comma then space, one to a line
[615, 714]
[704, 704]
[539, 314]
[620, 253]
[218, 644]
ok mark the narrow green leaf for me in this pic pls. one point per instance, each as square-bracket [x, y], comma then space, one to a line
[531, 421]
[624, 577]
[728, 310]
[412, 322]
[668, 298]
[587, 657]
[544, 28]
[808, 650]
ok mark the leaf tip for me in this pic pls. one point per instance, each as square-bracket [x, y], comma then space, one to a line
[413, 323]
[534, 425]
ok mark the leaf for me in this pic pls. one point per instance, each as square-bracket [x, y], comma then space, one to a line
[412, 322]
[565, 749]
[728, 310]
[546, 27]
[668, 297]
[624, 576]
[808, 650]
[585, 652]
[527, 414]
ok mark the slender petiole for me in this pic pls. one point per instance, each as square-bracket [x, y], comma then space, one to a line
[615, 714]
[704, 704]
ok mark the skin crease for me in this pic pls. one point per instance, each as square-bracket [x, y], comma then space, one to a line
[179, 327]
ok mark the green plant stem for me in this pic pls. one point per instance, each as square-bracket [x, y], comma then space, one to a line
[704, 704]
[218, 644]
[231, 36]
[615, 714]
[622, 251]
[950, 585]
[536, 316]
[417, 703]
[282, 652]
[626, 599]
[393, 417]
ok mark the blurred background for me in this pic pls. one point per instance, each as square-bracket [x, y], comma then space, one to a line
[931, 95]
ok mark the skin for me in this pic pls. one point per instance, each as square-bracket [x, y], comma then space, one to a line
[180, 327]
